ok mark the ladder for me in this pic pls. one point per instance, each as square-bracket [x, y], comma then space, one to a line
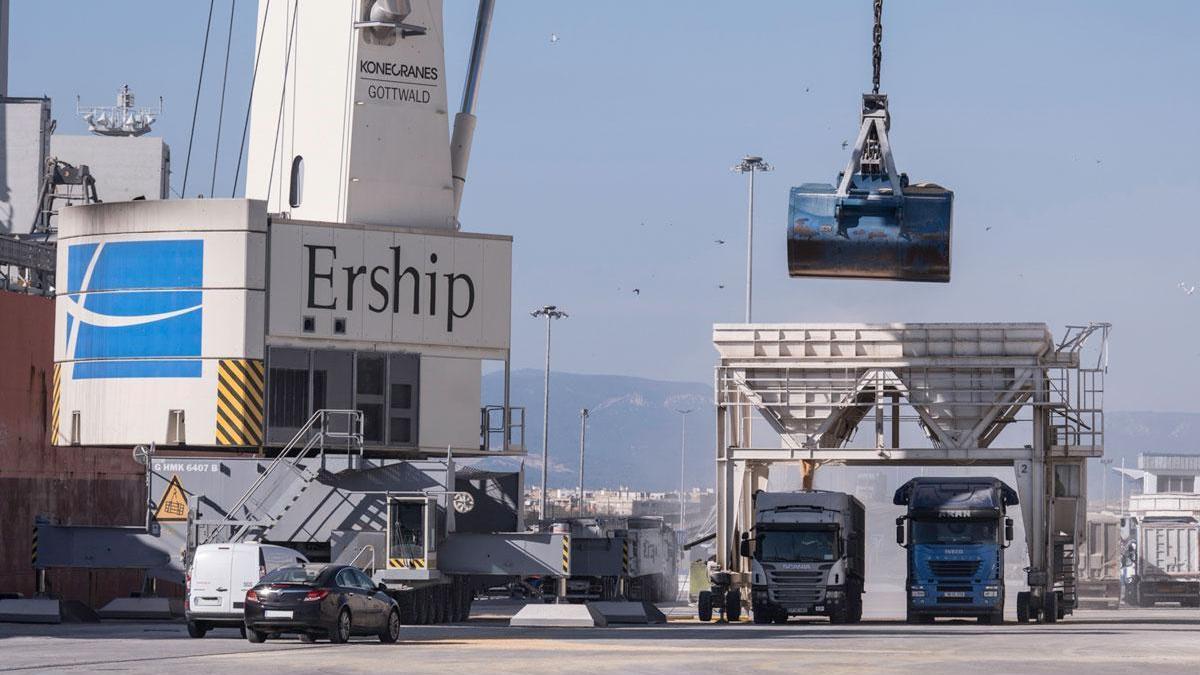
[285, 479]
[1066, 571]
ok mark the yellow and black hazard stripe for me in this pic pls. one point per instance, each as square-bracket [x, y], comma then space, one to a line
[34, 548]
[406, 563]
[54, 406]
[625, 556]
[240, 402]
[566, 555]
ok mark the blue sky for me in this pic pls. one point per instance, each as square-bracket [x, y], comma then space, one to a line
[1063, 127]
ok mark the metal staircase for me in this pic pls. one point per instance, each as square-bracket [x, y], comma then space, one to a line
[285, 479]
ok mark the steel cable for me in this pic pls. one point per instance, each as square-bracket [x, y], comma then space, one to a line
[196, 106]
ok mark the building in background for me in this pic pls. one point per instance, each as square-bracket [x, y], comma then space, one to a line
[125, 168]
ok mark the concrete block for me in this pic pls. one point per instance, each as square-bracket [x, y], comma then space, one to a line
[558, 616]
[137, 608]
[32, 610]
[628, 612]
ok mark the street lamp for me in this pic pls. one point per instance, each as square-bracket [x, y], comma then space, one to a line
[682, 464]
[550, 312]
[583, 418]
[750, 164]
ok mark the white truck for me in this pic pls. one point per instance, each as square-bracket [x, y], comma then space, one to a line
[807, 555]
[1161, 560]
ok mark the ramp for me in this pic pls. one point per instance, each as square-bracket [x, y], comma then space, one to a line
[628, 612]
[31, 610]
[558, 616]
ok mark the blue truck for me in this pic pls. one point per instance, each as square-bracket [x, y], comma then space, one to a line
[955, 532]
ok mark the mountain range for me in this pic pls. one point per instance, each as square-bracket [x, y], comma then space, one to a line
[633, 432]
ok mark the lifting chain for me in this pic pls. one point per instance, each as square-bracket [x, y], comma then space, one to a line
[877, 53]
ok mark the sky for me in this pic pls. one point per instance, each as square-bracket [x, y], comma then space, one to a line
[1063, 129]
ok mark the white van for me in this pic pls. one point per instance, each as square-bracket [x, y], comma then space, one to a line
[219, 577]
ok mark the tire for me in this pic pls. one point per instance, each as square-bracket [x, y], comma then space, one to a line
[839, 614]
[420, 607]
[1062, 606]
[704, 607]
[733, 606]
[856, 607]
[342, 628]
[256, 636]
[391, 629]
[1023, 607]
[782, 617]
[441, 604]
[991, 618]
[1050, 607]
[761, 615]
[307, 638]
[196, 629]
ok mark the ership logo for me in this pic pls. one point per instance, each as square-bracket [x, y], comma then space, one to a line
[134, 308]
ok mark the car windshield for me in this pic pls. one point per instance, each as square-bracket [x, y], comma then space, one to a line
[295, 574]
[957, 531]
[793, 546]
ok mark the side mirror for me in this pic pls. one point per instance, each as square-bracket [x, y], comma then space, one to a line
[381, 586]
[744, 546]
[1008, 529]
[900, 530]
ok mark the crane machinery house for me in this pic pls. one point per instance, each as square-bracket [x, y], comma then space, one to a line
[341, 282]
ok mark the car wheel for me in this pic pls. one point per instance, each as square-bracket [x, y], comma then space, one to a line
[391, 630]
[196, 630]
[256, 636]
[341, 628]
[307, 638]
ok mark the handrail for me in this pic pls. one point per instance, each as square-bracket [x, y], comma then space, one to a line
[365, 549]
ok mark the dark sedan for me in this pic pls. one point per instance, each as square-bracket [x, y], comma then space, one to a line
[333, 601]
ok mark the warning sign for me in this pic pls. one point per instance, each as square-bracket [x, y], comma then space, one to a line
[173, 505]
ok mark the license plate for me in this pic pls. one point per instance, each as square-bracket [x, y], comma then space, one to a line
[279, 614]
[954, 594]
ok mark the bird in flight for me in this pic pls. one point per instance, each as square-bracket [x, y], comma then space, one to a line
[637, 292]
[1187, 290]
[718, 242]
[554, 38]
[845, 144]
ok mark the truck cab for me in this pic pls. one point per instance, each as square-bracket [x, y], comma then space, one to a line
[807, 557]
[955, 533]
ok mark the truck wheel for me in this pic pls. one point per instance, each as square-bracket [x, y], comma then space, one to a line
[704, 606]
[1050, 607]
[761, 614]
[1060, 605]
[196, 629]
[992, 618]
[733, 606]
[840, 613]
[1023, 607]
[781, 617]
[856, 607]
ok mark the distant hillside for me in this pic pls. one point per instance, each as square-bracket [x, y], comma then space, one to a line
[633, 432]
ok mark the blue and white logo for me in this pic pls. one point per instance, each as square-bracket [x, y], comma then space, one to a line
[134, 308]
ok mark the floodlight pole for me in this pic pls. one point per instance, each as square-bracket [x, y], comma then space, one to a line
[750, 164]
[550, 312]
[682, 465]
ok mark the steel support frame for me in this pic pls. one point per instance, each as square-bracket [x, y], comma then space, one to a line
[742, 468]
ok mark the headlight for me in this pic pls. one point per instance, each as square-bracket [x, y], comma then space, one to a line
[834, 594]
[991, 592]
[917, 592]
